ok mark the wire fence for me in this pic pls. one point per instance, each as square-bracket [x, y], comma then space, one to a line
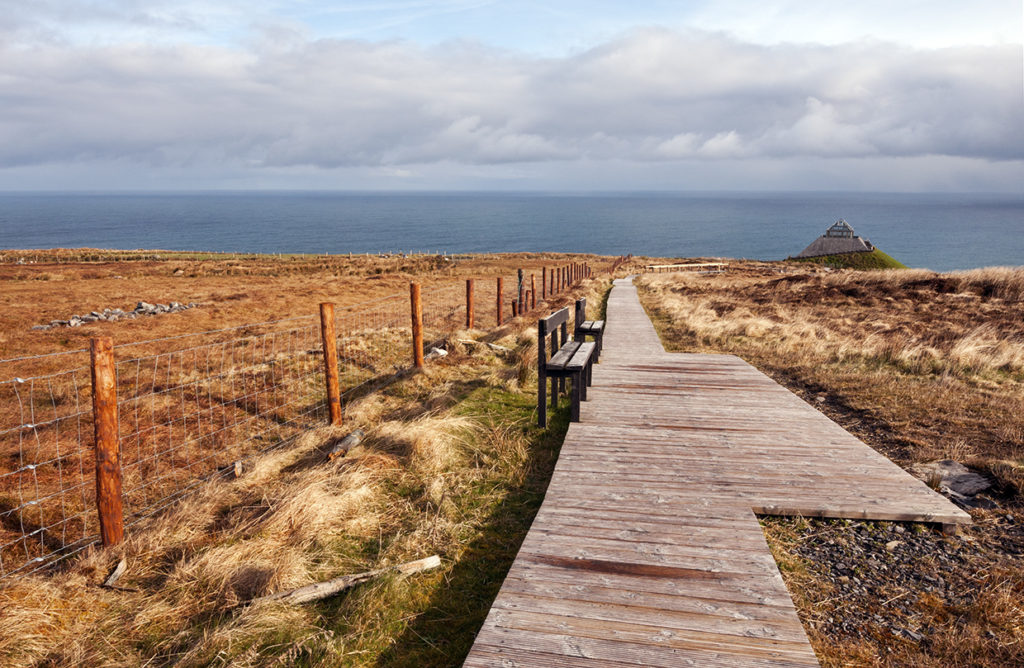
[46, 480]
[191, 412]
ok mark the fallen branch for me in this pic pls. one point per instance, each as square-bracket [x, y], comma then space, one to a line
[492, 346]
[321, 590]
[341, 448]
[116, 574]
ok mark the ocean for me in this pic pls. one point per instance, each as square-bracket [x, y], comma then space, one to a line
[938, 231]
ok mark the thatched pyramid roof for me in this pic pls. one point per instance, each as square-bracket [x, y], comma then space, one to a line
[838, 239]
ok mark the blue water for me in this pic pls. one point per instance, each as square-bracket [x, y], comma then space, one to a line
[938, 231]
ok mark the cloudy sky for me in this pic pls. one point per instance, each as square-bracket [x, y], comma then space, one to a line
[476, 94]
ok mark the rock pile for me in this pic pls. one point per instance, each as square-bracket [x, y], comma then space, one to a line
[114, 314]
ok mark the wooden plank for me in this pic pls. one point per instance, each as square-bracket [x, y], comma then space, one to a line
[581, 357]
[564, 354]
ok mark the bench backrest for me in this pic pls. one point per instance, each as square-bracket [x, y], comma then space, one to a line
[581, 313]
[550, 326]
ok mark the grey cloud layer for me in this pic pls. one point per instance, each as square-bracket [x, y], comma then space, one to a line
[650, 96]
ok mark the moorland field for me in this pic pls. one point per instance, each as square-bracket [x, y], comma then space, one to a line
[921, 366]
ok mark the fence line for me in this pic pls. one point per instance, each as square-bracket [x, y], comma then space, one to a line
[186, 415]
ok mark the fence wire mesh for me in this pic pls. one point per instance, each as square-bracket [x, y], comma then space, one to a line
[374, 343]
[46, 468]
[189, 414]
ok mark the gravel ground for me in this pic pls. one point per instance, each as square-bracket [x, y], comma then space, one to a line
[891, 583]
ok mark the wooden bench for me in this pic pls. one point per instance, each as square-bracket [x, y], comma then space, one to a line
[585, 328]
[569, 360]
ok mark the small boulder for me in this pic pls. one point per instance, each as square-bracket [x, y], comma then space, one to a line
[953, 475]
[40, 328]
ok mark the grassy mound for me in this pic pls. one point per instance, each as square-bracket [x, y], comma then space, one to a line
[875, 259]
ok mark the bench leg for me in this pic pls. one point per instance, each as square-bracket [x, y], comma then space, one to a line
[554, 393]
[574, 410]
[542, 401]
[584, 381]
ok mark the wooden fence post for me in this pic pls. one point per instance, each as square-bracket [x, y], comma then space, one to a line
[469, 303]
[330, 343]
[543, 282]
[519, 275]
[533, 293]
[515, 311]
[417, 325]
[500, 290]
[108, 447]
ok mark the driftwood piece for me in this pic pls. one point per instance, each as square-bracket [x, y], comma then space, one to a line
[341, 448]
[116, 574]
[321, 590]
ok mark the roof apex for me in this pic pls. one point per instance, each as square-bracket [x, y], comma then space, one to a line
[840, 228]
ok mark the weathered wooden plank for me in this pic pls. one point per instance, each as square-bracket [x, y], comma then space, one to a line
[653, 636]
[564, 354]
[665, 618]
[581, 357]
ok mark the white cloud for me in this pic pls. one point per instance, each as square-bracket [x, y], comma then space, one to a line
[648, 97]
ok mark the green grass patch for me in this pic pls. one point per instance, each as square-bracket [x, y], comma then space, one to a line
[875, 259]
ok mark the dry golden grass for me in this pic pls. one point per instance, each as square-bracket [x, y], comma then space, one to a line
[919, 365]
[292, 520]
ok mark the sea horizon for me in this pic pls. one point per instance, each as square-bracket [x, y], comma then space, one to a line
[937, 230]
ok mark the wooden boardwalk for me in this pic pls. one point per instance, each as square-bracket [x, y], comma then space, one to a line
[647, 550]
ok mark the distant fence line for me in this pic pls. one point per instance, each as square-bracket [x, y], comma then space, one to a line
[90, 450]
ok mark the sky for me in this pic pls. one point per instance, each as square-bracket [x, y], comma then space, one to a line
[488, 95]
